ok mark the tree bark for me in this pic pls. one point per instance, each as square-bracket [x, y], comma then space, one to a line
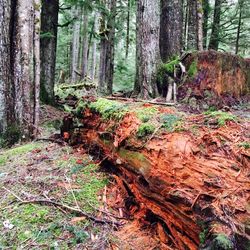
[147, 46]
[215, 34]
[5, 81]
[19, 41]
[239, 27]
[111, 47]
[206, 8]
[49, 26]
[85, 44]
[94, 46]
[75, 44]
[103, 51]
[192, 36]
[199, 25]
[37, 66]
[128, 28]
[170, 29]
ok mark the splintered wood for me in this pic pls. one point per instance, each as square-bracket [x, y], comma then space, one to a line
[188, 182]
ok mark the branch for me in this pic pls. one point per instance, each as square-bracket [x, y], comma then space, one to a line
[72, 210]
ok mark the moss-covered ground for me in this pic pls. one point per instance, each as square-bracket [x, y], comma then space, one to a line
[44, 170]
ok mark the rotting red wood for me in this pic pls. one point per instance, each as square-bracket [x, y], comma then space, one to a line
[182, 177]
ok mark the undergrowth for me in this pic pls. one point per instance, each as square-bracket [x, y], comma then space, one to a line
[222, 117]
[145, 129]
[145, 114]
[14, 152]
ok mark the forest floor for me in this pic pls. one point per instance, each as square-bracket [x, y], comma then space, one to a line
[33, 173]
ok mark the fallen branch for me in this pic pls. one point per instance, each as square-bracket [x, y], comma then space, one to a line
[71, 209]
[78, 85]
[140, 100]
[58, 141]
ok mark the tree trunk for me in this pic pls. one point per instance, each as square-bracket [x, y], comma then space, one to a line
[111, 47]
[128, 28]
[75, 44]
[85, 44]
[205, 7]
[22, 71]
[215, 34]
[239, 27]
[37, 66]
[147, 45]
[5, 81]
[94, 45]
[170, 29]
[49, 23]
[192, 39]
[103, 51]
[19, 45]
[199, 25]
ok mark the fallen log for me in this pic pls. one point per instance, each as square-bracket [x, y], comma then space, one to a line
[194, 179]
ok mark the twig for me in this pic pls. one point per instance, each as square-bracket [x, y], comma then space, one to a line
[72, 209]
[107, 213]
[21, 200]
[150, 138]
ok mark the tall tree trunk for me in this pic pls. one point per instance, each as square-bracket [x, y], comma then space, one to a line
[5, 81]
[215, 34]
[147, 46]
[111, 47]
[49, 26]
[239, 27]
[19, 45]
[85, 44]
[23, 80]
[206, 8]
[199, 25]
[192, 43]
[75, 44]
[37, 66]
[94, 45]
[128, 28]
[103, 51]
[170, 29]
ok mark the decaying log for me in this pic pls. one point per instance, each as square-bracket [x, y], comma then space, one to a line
[196, 183]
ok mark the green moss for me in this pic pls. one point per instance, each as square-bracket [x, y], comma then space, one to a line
[11, 136]
[7, 154]
[144, 114]
[145, 129]
[90, 183]
[137, 161]
[192, 71]
[222, 117]
[80, 108]
[222, 242]
[167, 68]
[170, 121]
[109, 109]
[244, 144]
